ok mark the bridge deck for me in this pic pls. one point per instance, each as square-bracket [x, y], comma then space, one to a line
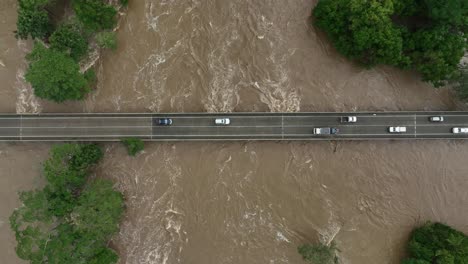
[244, 126]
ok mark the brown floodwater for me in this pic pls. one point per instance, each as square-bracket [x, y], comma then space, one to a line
[246, 202]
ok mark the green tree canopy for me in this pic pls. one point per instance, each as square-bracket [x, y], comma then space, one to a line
[425, 35]
[362, 30]
[436, 53]
[95, 14]
[437, 243]
[69, 39]
[54, 75]
[98, 210]
[454, 12]
[79, 234]
[33, 19]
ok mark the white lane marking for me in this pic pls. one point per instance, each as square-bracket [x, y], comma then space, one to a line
[242, 135]
[415, 126]
[21, 127]
[222, 127]
[282, 126]
[207, 115]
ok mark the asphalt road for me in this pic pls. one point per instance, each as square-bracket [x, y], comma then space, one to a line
[244, 126]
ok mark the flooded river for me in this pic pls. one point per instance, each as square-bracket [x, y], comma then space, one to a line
[245, 202]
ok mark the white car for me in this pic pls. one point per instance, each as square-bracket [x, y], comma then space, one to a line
[348, 119]
[457, 130]
[436, 119]
[397, 129]
[222, 121]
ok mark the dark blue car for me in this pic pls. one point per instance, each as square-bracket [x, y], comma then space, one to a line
[164, 121]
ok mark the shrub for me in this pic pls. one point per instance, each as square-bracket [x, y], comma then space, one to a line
[54, 75]
[107, 40]
[437, 243]
[95, 14]
[90, 76]
[318, 254]
[70, 40]
[133, 145]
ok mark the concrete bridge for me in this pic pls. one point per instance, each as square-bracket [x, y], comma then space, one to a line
[243, 126]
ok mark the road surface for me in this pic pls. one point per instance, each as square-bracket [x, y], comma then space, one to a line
[244, 126]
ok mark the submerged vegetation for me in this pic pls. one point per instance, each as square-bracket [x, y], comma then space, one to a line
[435, 243]
[54, 68]
[318, 254]
[133, 145]
[73, 217]
[429, 36]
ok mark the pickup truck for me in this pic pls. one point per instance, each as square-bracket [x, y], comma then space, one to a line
[326, 131]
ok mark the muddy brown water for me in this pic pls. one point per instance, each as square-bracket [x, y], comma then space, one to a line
[245, 202]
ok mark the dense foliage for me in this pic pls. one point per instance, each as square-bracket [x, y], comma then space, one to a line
[436, 243]
[71, 219]
[318, 254]
[69, 39]
[95, 14]
[33, 19]
[106, 40]
[54, 70]
[426, 35]
[133, 145]
[54, 75]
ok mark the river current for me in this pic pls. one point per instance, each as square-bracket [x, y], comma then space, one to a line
[245, 202]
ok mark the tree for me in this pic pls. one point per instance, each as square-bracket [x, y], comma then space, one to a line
[70, 40]
[318, 254]
[95, 14]
[81, 233]
[34, 23]
[426, 35]
[454, 12]
[436, 53]
[66, 172]
[437, 243]
[33, 19]
[133, 145]
[98, 211]
[362, 30]
[54, 75]
[106, 40]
